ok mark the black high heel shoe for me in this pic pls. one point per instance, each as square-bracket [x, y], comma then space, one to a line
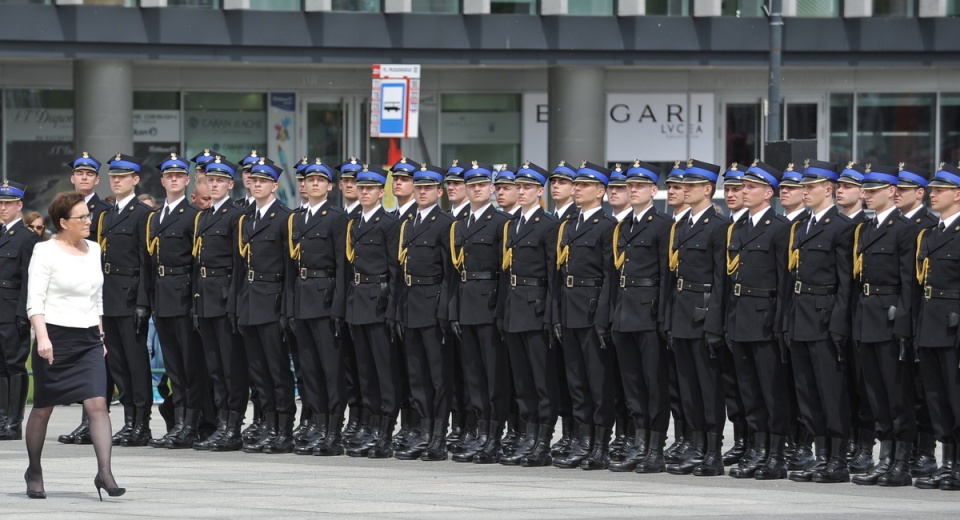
[33, 494]
[112, 491]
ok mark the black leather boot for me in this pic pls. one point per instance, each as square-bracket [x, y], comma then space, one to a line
[899, 474]
[283, 442]
[539, 456]
[4, 400]
[456, 428]
[353, 424]
[883, 465]
[231, 440]
[852, 444]
[129, 415]
[926, 462]
[862, 460]
[819, 462]
[305, 424]
[802, 456]
[164, 442]
[252, 432]
[653, 461]
[692, 456]
[366, 438]
[739, 448]
[469, 448]
[16, 404]
[581, 449]
[564, 446]
[512, 437]
[437, 448]
[468, 438]
[383, 448]
[81, 429]
[207, 443]
[268, 433]
[417, 442]
[836, 470]
[313, 437]
[599, 457]
[749, 464]
[189, 435]
[776, 465]
[951, 482]
[636, 454]
[948, 455]
[526, 445]
[489, 453]
[617, 445]
[712, 465]
[407, 419]
[332, 444]
[670, 455]
[140, 436]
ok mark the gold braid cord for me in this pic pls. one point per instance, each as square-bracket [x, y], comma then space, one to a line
[793, 254]
[857, 257]
[922, 267]
[102, 240]
[732, 263]
[619, 257]
[294, 249]
[674, 256]
[456, 256]
[402, 251]
[351, 253]
[153, 244]
[562, 252]
[507, 262]
[244, 248]
[197, 239]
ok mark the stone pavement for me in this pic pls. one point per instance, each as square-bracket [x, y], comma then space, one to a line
[190, 484]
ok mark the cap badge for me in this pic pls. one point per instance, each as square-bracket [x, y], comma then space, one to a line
[790, 167]
[117, 158]
[850, 164]
[86, 155]
[690, 162]
[455, 162]
[867, 168]
[900, 167]
[475, 164]
[583, 164]
[636, 163]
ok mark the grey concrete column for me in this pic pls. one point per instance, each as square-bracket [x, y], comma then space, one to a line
[103, 108]
[576, 127]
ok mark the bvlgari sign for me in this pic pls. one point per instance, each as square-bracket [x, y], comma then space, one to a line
[660, 127]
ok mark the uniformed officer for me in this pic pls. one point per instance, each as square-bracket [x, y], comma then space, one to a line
[423, 311]
[261, 314]
[529, 263]
[817, 325]
[618, 194]
[317, 304]
[372, 244]
[170, 238]
[582, 315]
[884, 264]
[759, 280]
[358, 417]
[306, 425]
[477, 256]
[456, 191]
[696, 318]
[16, 250]
[506, 191]
[126, 267]
[791, 193]
[640, 250]
[402, 172]
[348, 186]
[301, 181]
[85, 178]
[217, 276]
[248, 201]
[460, 420]
[849, 191]
[938, 324]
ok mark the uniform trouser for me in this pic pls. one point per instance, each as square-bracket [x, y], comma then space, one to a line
[270, 367]
[889, 390]
[861, 414]
[589, 371]
[920, 408]
[226, 362]
[564, 406]
[620, 412]
[701, 386]
[429, 365]
[821, 388]
[291, 346]
[486, 370]
[533, 365]
[676, 405]
[183, 361]
[351, 377]
[128, 361]
[14, 350]
[760, 376]
[941, 382]
[321, 362]
[403, 382]
[643, 371]
[732, 397]
[377, 369]
[458, 397]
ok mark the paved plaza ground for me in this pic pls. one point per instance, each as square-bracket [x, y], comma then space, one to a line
[188, 484]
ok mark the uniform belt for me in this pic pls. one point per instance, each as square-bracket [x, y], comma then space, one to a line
[7, 284]
[575, 281]
[870, 289]
[206, 272]
[369, 278]
[253, 276]
[683, 285]
[477, 275]
[626, 281]
[820, 290]
[944, 294]
[163, 270]
[109, 268]
[527, 281]
[422, 280]
[315, 273]
[743, 290]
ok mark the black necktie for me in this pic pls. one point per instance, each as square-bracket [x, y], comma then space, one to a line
[418, 220]
[749, 224]
[522, 221]
[3, 229]
[691, 222]
[811, 224]
[306, 215]
[579, 221]
[256, 218]
[472, 221]
[166, 213]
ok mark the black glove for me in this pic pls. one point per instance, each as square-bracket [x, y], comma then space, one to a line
[444, 331]
[399, 329]
[548, 334]
[141, 315]
[285, 331]
[669, 340]
[499, 323]
[455, 327]
[905, 345]
[234, 325]
[783, 339]
[23, 326]
[196, 322]
[714, 343]
[662, 335]
[840, 343]
[603, 334]
[337, 327]
[392, 328]
[558, 333]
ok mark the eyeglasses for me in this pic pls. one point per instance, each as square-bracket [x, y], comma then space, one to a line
[88, 217]
[38, 227]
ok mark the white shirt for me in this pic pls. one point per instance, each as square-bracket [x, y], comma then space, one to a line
[251, 200]
[913, 211]
[10, 225]
[793, 215]
[695, 218]
[946, 223]
[623, 214]
[66, 289]
[561, 211]
[123, 203]
[368, 214]
[424, 212]
[883, 216]
[312, 210]
[86, 198]
[853, 216]
[589, 213]
[757, 216]
[819, 216]
[639, 216]
[513, 212]
[350, 207]
[476, 214]
[402, 210]
[678, 216]
[262, 212]
[458, 209]
[172, 205]
[217, 205]
[737, 215]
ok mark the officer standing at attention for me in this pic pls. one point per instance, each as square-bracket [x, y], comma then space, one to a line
[505, 188]
[791, 194]
[849, 192]
[456, 191]
[126, 268]
[248, 201]
[696, 318]
[16, 250]
[938, 326]
[529, 262]
[170, 240]
[428, 276]
[217, 277]
[759, 281]
[306, 425]
[640, 250]
[459, 418]
[817, 326]
[261, 316]
[316, 304]
[582, 315]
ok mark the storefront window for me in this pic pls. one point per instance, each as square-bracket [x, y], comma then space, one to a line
[513, 7]
[275, 5]
[668, 8]
[38, 135]
[953, 7]
[594, 8]
[435, 6]
[896, 8]
[196, 4]
[482, 127]
[950, 128]
[818, 8]
[801, 120]
[743, 133]
[742, 8]
[363, 6]
[841, 128]
[896, 127]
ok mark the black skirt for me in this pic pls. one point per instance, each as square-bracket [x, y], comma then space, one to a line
[78, 371]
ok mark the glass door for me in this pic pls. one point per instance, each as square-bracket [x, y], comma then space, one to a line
[324, 132]
[743, 135]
